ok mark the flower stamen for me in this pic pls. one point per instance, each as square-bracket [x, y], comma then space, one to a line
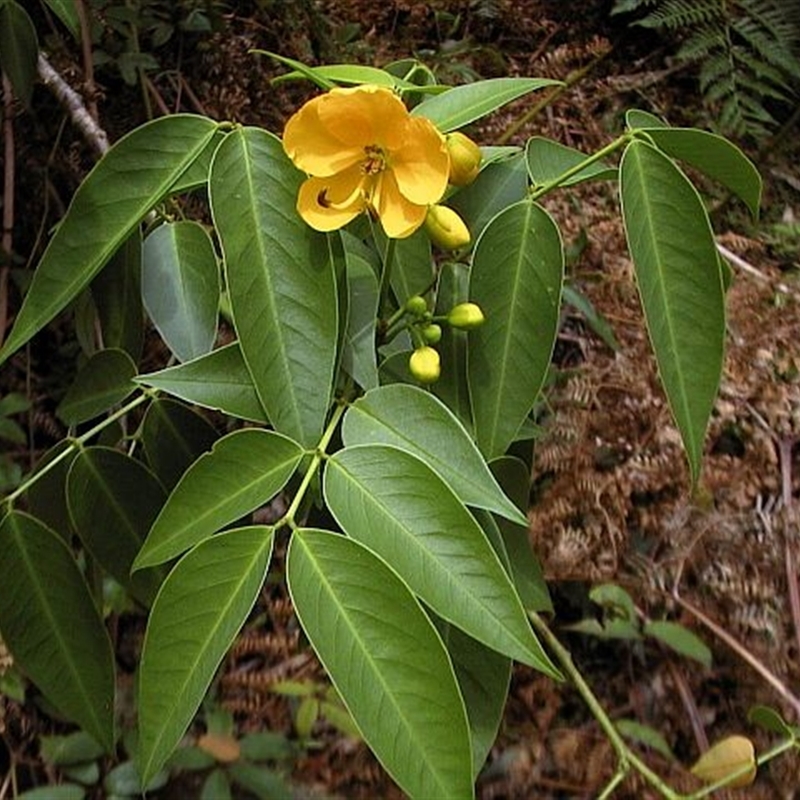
[375, 162]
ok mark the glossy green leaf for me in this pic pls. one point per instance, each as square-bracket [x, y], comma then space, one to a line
[105, 380]
[348, 74]
[770, 720]
[516, 279]
[216, 786]
[680, 639]
[197, 174]
[414, 420]
[263, 782]
[244, 469]
[451, 388]
[218, 380]
[113, 500]
[280, 279]
[132, 177]
[123, 781]
[484, 677]
[464, 104]
[358, 357]
[19, 49]
[74, 748]
[548, 160]
[526, 571]
[174, 436]
[644, 734]
[180, 287]
[634, 119]
[497, 187]
[675, 257]
[47, 496]
[117, 294]
[197, 613]
[412, 264]
[67, 791]
[393, 503]
[66, 11]
[386, 660]
[52, 626]
[714, 156]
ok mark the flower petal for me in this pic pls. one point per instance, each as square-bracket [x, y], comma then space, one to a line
[365, 115]
[399, 217]
[313, 147]
[421, 165]
[314, 203]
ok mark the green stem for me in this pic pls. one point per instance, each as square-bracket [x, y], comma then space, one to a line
[627, 758]
[77, 443]
[619, 142]
[386, 277]
[319, 455]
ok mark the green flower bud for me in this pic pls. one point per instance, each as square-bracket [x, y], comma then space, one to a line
[432, 333]
[465, 159]
[446, 228]
[416, 305]
[425, 365]
[466, 316]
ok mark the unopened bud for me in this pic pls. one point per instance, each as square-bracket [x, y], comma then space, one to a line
[416, 305]
[432, 333]
[446, 228]
[465, 159]
[425, 365]
[466, 316]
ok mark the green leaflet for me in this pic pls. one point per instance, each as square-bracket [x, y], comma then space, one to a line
[197, 613]
[414, 420]
[516, 279]
[461, 105]
[393, 503]
[677, 270]
[280, 279]
[104, 212]
[180, 287]
[52, 626]
[386, 660]
[243, 470]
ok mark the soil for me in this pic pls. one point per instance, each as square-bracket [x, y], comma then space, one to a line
[612, 501]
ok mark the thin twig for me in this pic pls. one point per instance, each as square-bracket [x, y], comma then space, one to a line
[738, 261]
[88, 61]
[691, 707]
[74, 105]
[741, 651]
[7, 241]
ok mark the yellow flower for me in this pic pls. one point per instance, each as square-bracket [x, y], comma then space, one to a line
[363, 151]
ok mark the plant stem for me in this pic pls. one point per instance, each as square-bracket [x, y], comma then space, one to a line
[627, 758]
[313, 467]
[386, 276]
[76, 443]
[619, 142]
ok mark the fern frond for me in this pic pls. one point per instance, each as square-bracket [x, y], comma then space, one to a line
[675, 14]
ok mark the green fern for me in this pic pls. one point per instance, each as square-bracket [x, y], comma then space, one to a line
[747, 52]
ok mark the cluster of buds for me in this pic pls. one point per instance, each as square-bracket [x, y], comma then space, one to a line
[444, 226]
[425, 364]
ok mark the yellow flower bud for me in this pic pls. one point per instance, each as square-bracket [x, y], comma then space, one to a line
[425, 365]
[446, 228]
[466, 316]
[465, 159]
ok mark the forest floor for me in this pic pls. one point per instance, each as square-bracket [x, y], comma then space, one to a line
[612, 500]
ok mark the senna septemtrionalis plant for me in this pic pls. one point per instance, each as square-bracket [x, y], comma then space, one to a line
[376, 381]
